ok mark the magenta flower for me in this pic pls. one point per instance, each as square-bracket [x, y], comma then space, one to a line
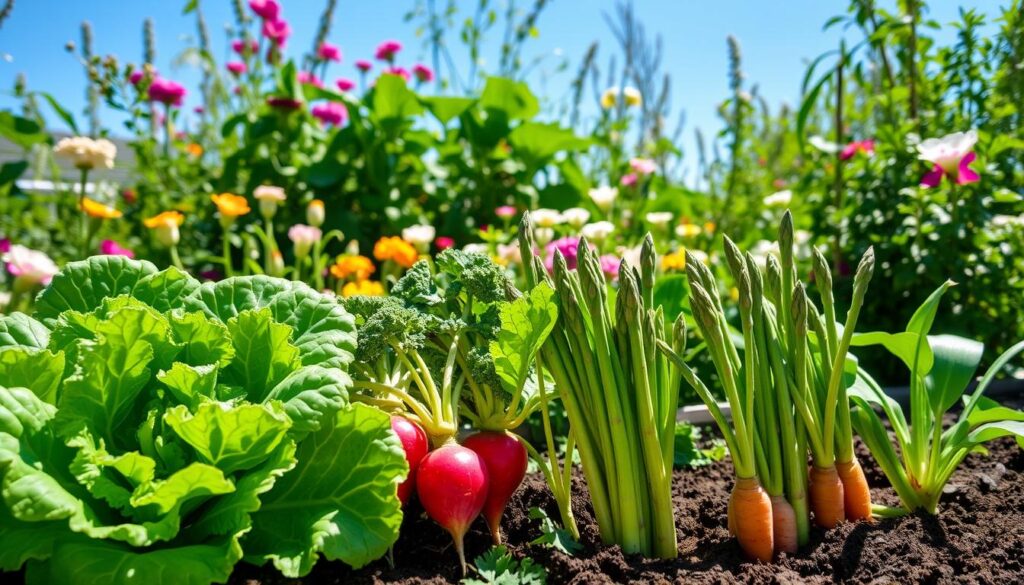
[239, 46]
[166, 92]
[277, 31]
[387, 50]
[423, 73]
[610, 266]
[444, 242]
[137, 75]
[211, 274]
[345, 84]
[628, 180]
[308, 78]
[866, 147]
[400, 71]
[284, 103]
[506, 211]
[643, 166]
[329, 52]
[951, 156]
[364, 65]
[5, 245]
[236, 67]
[266, 9]
[330, 113]
[112, 248]
[568, 246]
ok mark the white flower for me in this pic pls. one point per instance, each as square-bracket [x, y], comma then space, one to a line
[632, 96]
[763, 248]
[598, 231]
[659, 219]
[546, 218]
[823, 145]
[604, 196]
[948, 151]
[544, 235]
[475, 249]
[576, 216]
[86, 153]
[29, 267]
[269, 197]
[419, 235]
[779, 198]
[303, 236]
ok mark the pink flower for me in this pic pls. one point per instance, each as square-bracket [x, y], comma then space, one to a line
[400, 71]
[308, 78]
[303, 237]
[423, 73]
[137, 75]
[166, 92]
[387, 50]
[31, 267]
[239, 46]
[364, 65]
[610, 266]
[444, 242]
[643, 166]
[329, 52]
[628, 180]
[112, 248]
[506, 211]
[277, 31]
[5, 246]
[266, 9]
[864, 146]
[330, 113]
[236, 67]
[951, 156]
[344, 84]
[284, 103]
[568, 246]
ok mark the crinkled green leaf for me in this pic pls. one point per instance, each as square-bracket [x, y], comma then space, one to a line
[20, 330]
[497, 566]
[38, 370]
[82, 285]
[194, 481]
[525, 324]
[231, 438]
[21, 411]
[340, 498]
[21, 541]
[205, 341]
[263, 353]
[108, 477]
[165, 290]
[190, 384]
[310, 395]
[227, 298]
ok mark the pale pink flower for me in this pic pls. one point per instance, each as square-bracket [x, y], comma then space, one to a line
[29, 266]
[506, 211]
[951, 156]
[643, 166]
[628, 180]
[303, 237]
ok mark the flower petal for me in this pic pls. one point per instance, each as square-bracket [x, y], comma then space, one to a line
[933, 177]
[966, 175]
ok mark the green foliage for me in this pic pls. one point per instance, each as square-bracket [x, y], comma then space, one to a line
[552, 535]
[497, 566]
[688, 453]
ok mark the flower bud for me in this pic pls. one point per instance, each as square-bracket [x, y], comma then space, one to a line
[315, 213]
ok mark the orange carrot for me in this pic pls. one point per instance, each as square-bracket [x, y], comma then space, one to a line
[753, 519]
[826, 494]
[783, 525]
[856, 495]
[731, 516]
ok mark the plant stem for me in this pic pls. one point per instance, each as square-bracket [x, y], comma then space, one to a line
[226, 247]
[83, 229]
[175, 260]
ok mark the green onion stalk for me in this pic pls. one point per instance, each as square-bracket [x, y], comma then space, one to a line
[618, 390]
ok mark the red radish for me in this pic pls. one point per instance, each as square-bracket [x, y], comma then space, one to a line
[505, 458]
[452, 484]
[414, 443]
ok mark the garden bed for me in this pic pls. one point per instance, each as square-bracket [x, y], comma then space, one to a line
[977, 538]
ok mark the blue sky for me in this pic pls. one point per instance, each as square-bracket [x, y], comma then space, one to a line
[778, 38]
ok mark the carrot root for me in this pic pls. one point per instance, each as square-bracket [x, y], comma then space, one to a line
[784, 529]
[752, 519]
[856, 494]
[731, 517]
[826, 494]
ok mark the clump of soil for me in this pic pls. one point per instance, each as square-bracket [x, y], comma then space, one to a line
[976, 538]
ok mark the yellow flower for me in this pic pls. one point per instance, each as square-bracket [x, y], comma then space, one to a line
[609, 97]
[709, 227]
[633, 96]
[358, 267]
[194, 149]
[734, 294]
[688, 230]
[397, 250]
[99, 210]
[230, 205]
[674, 261]
[165, 227]
[369, 288]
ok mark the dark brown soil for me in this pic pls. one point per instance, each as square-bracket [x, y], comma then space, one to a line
[978, 537]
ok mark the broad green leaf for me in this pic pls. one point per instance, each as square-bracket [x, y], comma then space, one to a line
[92, 562]
[392, 100]
[525, 324]
[538, 142]
[956, 361]
[988, 410]
[922, 319]
[108, 477]
[510, 98]
[82, 285]
[229, 297]
[995, 430]
[166, 289]
[22, 541]
[205, 341]
[232, 438]
[195, 481]
[322, 330]
[21, 410]
[38, 370]
[20, 330]
[340, 499]
[446, 108]
[902, 345]
[21, 131]
[190, 384]
[670, 293]
[310, 395]
[263, 354]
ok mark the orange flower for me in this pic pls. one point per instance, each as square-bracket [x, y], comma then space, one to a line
[194, 149]
[359, 267]
[164, 219]
[230, 205]
[368, 288]
[99, 210]
[396, 249]
[709, 227]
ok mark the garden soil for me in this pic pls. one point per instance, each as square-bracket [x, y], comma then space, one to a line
[978, 537]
